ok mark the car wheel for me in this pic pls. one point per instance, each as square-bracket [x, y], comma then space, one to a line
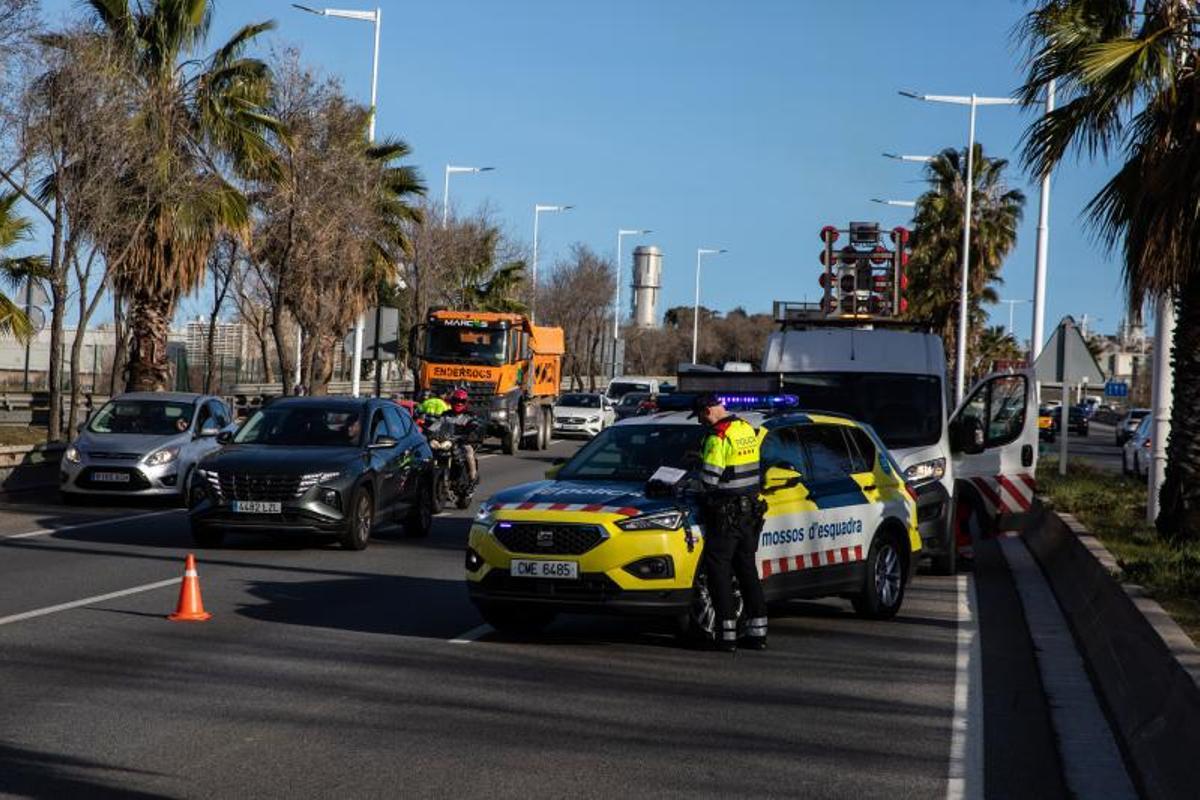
[441, 491]
[884, 590]
[362, 519]
[185, 493]
[207, 537]
[508, 442]
[419, 521]
[699, 624]
[517, 620]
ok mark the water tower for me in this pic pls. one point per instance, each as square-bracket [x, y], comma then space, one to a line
[647, 281]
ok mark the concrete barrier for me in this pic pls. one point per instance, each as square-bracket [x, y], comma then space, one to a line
[1145, 668]
[26, 468]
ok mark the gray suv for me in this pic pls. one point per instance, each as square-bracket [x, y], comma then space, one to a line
[143, 444]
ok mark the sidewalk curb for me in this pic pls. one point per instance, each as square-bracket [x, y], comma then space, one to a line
[1144, 666]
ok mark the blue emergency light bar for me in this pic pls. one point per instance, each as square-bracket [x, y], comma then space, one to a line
[758, 402]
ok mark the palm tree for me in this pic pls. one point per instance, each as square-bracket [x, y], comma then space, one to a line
[935, 268]
[1130, 82]
[195, 119]
[995, 344]
[15, 271]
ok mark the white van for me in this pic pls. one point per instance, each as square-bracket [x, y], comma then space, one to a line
[619, 387]
[967, 467]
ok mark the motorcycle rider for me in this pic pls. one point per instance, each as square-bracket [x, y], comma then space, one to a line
[465, 427]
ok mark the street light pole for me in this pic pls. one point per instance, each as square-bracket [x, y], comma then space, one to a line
[901, 203]
[974, 101]
[1011, 305]
[1160, 402]
[621, 234]
[537, 211]
[452, 170]
[375, 17]
[1043, 240]
[700, 251]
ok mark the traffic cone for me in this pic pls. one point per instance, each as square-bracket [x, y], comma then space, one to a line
[190, 607]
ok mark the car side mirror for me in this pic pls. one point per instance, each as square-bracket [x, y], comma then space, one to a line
[382, 443]
[224, 437]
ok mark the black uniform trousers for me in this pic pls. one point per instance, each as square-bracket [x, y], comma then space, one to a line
[731, 531]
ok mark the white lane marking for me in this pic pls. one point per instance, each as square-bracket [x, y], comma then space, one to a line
[1092, 763]
[93, 523]
[486, 455]
[471, 635]
[87, 601]
[966, 730]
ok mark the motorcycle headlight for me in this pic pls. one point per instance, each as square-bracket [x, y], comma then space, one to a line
[72, 455]
[160, 457]
[499, 413]
[661, 521]
[926, 471]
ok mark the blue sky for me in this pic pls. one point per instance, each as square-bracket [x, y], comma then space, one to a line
[746, 125]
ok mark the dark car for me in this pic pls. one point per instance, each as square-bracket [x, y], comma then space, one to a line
[1128, 424]
[629, 404]
[314, 465]
[1077, 420]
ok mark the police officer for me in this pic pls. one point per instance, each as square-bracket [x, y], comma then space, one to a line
[733, 517]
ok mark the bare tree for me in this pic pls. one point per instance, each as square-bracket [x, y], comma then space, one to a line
[88, 298]
[575, 297]
[222, 265]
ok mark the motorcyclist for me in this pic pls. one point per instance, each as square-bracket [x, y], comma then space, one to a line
[464, 427]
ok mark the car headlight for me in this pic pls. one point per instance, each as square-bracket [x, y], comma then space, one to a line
[499, 413]
[661, 521]
[160, 457]
[926, 471]
[72, 455]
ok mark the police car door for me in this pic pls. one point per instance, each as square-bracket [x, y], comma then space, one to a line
[993, 444]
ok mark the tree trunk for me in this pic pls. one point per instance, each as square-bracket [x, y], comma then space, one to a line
[1179, 514]
[149, 324]
[287, 366]
[210, 346]
[120, 346]
[86, 309]
[58, 298]
[322, 364]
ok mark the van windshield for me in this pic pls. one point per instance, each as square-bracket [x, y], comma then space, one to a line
[905, 410]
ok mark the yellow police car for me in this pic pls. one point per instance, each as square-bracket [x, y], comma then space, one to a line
[593, 539]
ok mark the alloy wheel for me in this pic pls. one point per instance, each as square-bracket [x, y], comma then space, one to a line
[887, 576]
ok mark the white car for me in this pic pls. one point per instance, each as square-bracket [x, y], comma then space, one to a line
[583, 413]
[1135, 453]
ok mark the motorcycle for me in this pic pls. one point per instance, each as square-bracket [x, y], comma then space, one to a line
[452, 478]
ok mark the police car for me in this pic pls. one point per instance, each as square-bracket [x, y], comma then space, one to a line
[598, 536]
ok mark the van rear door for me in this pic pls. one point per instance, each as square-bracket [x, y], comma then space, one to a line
[993, 445]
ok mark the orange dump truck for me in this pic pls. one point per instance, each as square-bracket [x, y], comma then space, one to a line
[510, 367]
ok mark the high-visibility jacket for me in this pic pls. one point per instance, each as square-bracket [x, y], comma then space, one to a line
[729, 458]
[433, 406]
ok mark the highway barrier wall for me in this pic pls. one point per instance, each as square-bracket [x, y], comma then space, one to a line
[29, 467]
[1145, 668]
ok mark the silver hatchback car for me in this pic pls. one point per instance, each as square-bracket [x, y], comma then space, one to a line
[143, 444]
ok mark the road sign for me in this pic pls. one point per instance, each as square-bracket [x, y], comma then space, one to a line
[1066, 358]
[1116, 389]
[389, 335]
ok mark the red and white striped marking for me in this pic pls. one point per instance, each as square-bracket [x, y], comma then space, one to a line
[624, 511]
[838, 555]
[1006, 494]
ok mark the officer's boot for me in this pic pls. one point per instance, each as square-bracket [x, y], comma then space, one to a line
[756, 634]
[726, 633]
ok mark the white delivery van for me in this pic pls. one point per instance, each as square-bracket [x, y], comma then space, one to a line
[619, 387]
[967, 467]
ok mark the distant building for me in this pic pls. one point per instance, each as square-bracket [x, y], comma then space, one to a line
[229, 342]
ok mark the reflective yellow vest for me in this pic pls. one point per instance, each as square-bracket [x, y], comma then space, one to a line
[433, 406]
[730, 458]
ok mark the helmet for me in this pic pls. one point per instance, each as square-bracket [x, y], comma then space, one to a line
[459, 400]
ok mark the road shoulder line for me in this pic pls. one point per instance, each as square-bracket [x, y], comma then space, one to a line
[87, 601]
[966, 731]
[92, 523]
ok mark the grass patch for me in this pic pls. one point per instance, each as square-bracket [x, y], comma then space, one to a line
[1113, 507]
[20, 434]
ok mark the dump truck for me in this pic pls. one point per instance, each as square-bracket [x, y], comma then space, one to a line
[510, 368]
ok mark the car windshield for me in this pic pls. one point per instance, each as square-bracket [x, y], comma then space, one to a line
[580, 400]
[905, 410]
[621, 388]
[632, 399]
[465, 344]
[634, 452]
[1138, 413]
[149, 417]
[313, 426]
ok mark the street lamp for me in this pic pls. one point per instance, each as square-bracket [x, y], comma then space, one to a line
[974, 101]
[701, 251]
[621, 234]
[918, 159]
[452, 170]
[375, 17]
[537, 211]
[901, 203]
[1011, 305]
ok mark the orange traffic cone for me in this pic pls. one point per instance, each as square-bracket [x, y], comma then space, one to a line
[190, 607]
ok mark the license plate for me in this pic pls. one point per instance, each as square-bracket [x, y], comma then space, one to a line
[256, 507]
[527, 568]
[110, 477]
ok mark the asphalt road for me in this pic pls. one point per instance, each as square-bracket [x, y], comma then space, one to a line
[1098, 449]
[325, 672]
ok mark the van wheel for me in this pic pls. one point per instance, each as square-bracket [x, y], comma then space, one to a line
[883, 589]
[516, 620]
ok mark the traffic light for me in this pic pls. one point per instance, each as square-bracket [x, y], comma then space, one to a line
[864, 278]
